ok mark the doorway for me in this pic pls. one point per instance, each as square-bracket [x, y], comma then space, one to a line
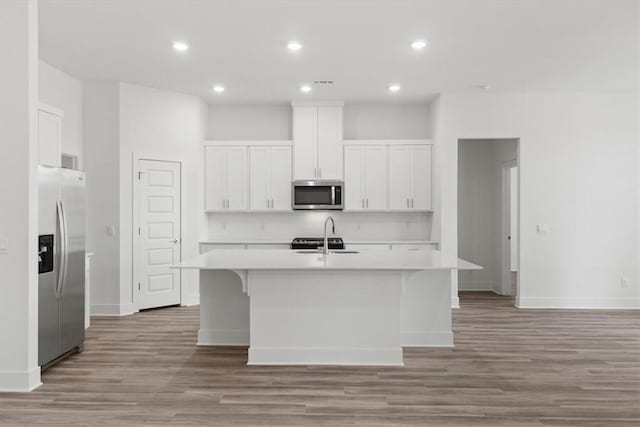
[488, 200]
[158, 208]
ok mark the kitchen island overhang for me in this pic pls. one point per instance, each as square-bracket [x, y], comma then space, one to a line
[340, 309]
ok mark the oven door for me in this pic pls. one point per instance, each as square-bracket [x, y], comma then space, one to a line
[310, 195]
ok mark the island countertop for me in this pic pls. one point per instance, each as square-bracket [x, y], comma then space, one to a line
[285, 259]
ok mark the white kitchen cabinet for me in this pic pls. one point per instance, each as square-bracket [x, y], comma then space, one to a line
[365, 177]
[270, 170]
[410, 177]
[317, 136]
[49, 136]
[226, 178]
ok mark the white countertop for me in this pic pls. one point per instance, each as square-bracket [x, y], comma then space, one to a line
[286, 259]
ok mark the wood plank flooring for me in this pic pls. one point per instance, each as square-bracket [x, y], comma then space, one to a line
[510, 367]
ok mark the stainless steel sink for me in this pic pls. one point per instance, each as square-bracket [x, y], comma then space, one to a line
[339, 251]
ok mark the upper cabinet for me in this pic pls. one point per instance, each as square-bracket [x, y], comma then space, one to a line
[317, 136]
[365, 175]
[49, 135]
[410, 177]
[226, 183]
[388, 175]
[270, 170]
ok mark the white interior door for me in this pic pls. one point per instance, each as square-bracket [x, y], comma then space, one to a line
[159, 203]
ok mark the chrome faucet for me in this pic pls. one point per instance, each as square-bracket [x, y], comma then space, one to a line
[325, 249]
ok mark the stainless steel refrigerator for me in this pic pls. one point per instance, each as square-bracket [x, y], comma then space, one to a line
[61, 251]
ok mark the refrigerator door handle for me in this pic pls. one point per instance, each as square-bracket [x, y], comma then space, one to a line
[64, 258]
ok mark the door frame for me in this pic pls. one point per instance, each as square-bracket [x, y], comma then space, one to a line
[135, 216]
[505, 227]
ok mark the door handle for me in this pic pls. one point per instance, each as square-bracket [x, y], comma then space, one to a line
[407, 203]
[315, 172]
[362, 203]
[367, 199]
[412, 202]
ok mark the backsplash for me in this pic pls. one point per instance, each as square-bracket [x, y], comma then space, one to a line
[349, 225]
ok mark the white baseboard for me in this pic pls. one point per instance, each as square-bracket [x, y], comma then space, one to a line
[112, 309]
[427, 339]
[475, 286]
[325, 356]
[455, 302]
[190, 300]
[579, 303]
[20, 381]
[223, 337]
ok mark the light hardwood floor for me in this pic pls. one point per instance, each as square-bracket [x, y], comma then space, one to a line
[509, 367]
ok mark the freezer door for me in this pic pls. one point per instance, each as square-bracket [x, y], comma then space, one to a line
[71, 294]
[48, 192]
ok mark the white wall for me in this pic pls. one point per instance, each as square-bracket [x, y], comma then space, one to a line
[578, 174]
[249, 122]
[19, 370]
[101, 152]
[161, 125]
[59, 89]
[386, 121]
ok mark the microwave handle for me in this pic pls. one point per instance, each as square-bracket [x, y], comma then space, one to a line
[333, 195]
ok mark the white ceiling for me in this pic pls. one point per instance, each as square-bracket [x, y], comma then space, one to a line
[513, 45]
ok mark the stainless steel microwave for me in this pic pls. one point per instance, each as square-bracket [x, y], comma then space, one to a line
[317, 195]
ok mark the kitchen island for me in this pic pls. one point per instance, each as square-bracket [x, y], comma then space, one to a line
[342, 308]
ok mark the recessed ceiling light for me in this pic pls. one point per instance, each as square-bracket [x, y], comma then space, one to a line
[419, 44]
[294, 46]
[394, 88]
[305, 88]
[180, 46]
[218, 88]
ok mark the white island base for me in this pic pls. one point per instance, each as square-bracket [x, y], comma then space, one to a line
[337, 317]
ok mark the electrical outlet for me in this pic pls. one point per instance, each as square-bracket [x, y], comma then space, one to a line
[111, 230]
[542, 228]
[624, 282]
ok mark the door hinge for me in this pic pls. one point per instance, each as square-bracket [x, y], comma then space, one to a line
[139, 175]
[138, 285]
[138, 231]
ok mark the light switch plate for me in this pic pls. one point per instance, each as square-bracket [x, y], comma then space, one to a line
[4, 245]
[542, 228]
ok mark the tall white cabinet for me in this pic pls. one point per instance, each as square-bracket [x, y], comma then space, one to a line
[226, 178]
[317, 137]
[270, 170]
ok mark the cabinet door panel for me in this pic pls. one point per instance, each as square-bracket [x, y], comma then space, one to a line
[399, 177]
[330, 142]
[259, 178]
[280, 178]
[421, 177]
[375, 185]
[305, 137]
[353, 178]
[49, 138]
[236, 190]
[215, 178]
